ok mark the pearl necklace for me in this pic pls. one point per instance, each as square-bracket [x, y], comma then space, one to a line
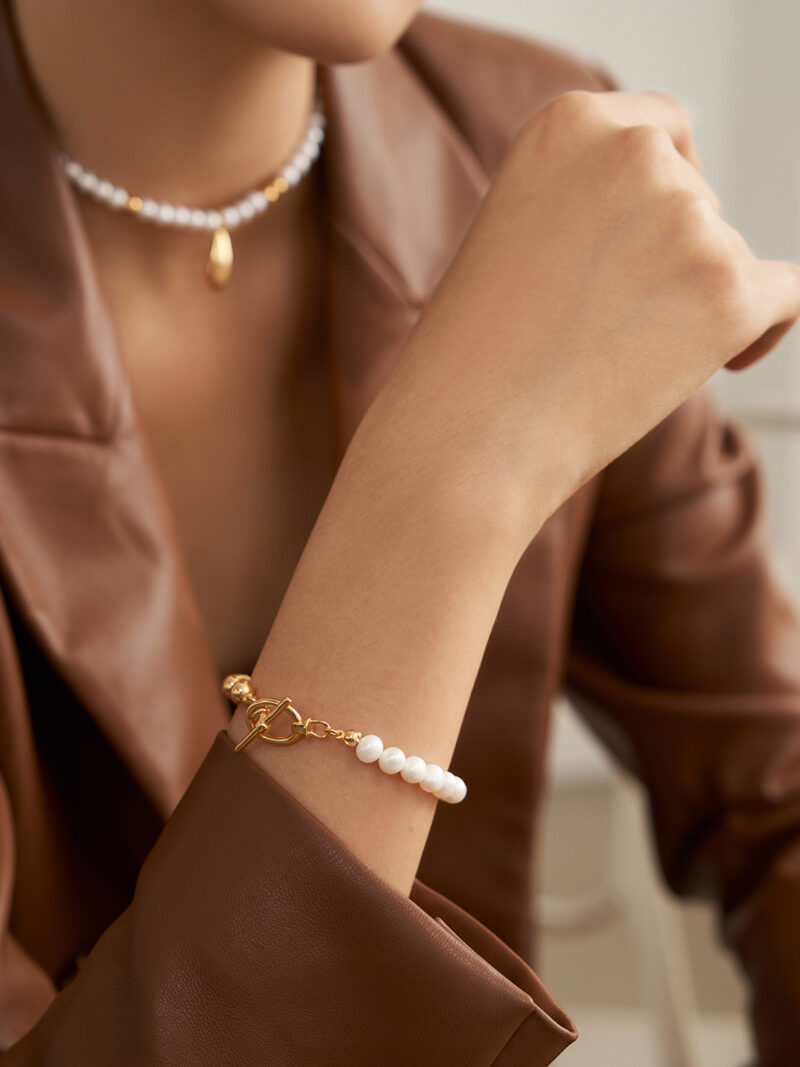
[219, 221]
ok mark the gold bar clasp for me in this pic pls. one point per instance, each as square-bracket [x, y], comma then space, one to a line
[260, 721]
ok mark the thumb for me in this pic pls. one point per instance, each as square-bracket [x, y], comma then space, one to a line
[778, 283]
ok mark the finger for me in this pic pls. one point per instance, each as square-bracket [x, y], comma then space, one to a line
[776, 290]
[778, 282]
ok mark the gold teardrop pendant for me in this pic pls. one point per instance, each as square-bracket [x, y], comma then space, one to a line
[220, 259]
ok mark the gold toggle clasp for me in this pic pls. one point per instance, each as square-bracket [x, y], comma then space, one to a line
[239, 689]
[260, 721]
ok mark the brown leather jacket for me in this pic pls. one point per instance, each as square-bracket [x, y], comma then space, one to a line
[254, 934]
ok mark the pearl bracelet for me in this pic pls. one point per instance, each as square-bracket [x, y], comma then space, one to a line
[261, 713]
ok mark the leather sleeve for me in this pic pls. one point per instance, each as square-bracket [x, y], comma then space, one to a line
[257, 936]
[686, 646]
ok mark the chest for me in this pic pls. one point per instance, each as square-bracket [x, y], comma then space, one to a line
[246, 462]
[246, 487]
[236, 408]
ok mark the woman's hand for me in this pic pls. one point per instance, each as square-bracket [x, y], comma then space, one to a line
[596, 290]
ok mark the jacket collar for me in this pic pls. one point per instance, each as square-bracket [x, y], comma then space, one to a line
[88, 552]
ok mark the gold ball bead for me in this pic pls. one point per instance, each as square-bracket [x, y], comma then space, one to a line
[236, 687]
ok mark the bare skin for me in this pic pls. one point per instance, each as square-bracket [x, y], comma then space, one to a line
[246, 363]
[618, 300]
[232, 391]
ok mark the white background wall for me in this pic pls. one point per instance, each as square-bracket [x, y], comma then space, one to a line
[734, 65]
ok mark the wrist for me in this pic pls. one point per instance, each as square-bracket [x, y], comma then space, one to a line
[468, 468]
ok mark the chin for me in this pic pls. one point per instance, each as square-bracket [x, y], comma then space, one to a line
[327, 31]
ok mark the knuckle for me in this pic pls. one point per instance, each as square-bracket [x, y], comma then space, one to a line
[581, 98]
[562, 111]
[714, 275]
[644, 145]
[691, 216]
[717, 279]
[672, 102]
[575, 103]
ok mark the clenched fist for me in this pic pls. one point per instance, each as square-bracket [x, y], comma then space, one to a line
[597, 288]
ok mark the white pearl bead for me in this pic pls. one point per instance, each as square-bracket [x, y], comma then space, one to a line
[413, 770]
[434, 776]
[169, 214]
[446, 786]
[392, 760]
[89, 181]
[457, 791]
[369, 748]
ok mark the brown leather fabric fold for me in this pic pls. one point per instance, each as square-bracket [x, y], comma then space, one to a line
[256, 935]
[685, 659]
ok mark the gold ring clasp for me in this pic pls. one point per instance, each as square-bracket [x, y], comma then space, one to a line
[260, 721]
[262, 713]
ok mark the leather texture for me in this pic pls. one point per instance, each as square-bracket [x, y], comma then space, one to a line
[165, 902]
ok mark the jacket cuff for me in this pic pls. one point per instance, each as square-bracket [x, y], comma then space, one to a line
[314, 934]
[257, 935]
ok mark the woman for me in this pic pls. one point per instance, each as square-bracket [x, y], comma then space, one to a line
[177, 490]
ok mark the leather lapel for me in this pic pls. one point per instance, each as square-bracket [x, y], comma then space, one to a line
[403, 187]
[88, 549]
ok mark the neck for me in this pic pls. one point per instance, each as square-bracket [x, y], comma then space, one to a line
[168, 101]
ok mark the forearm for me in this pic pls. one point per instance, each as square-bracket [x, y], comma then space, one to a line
[382, 629]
